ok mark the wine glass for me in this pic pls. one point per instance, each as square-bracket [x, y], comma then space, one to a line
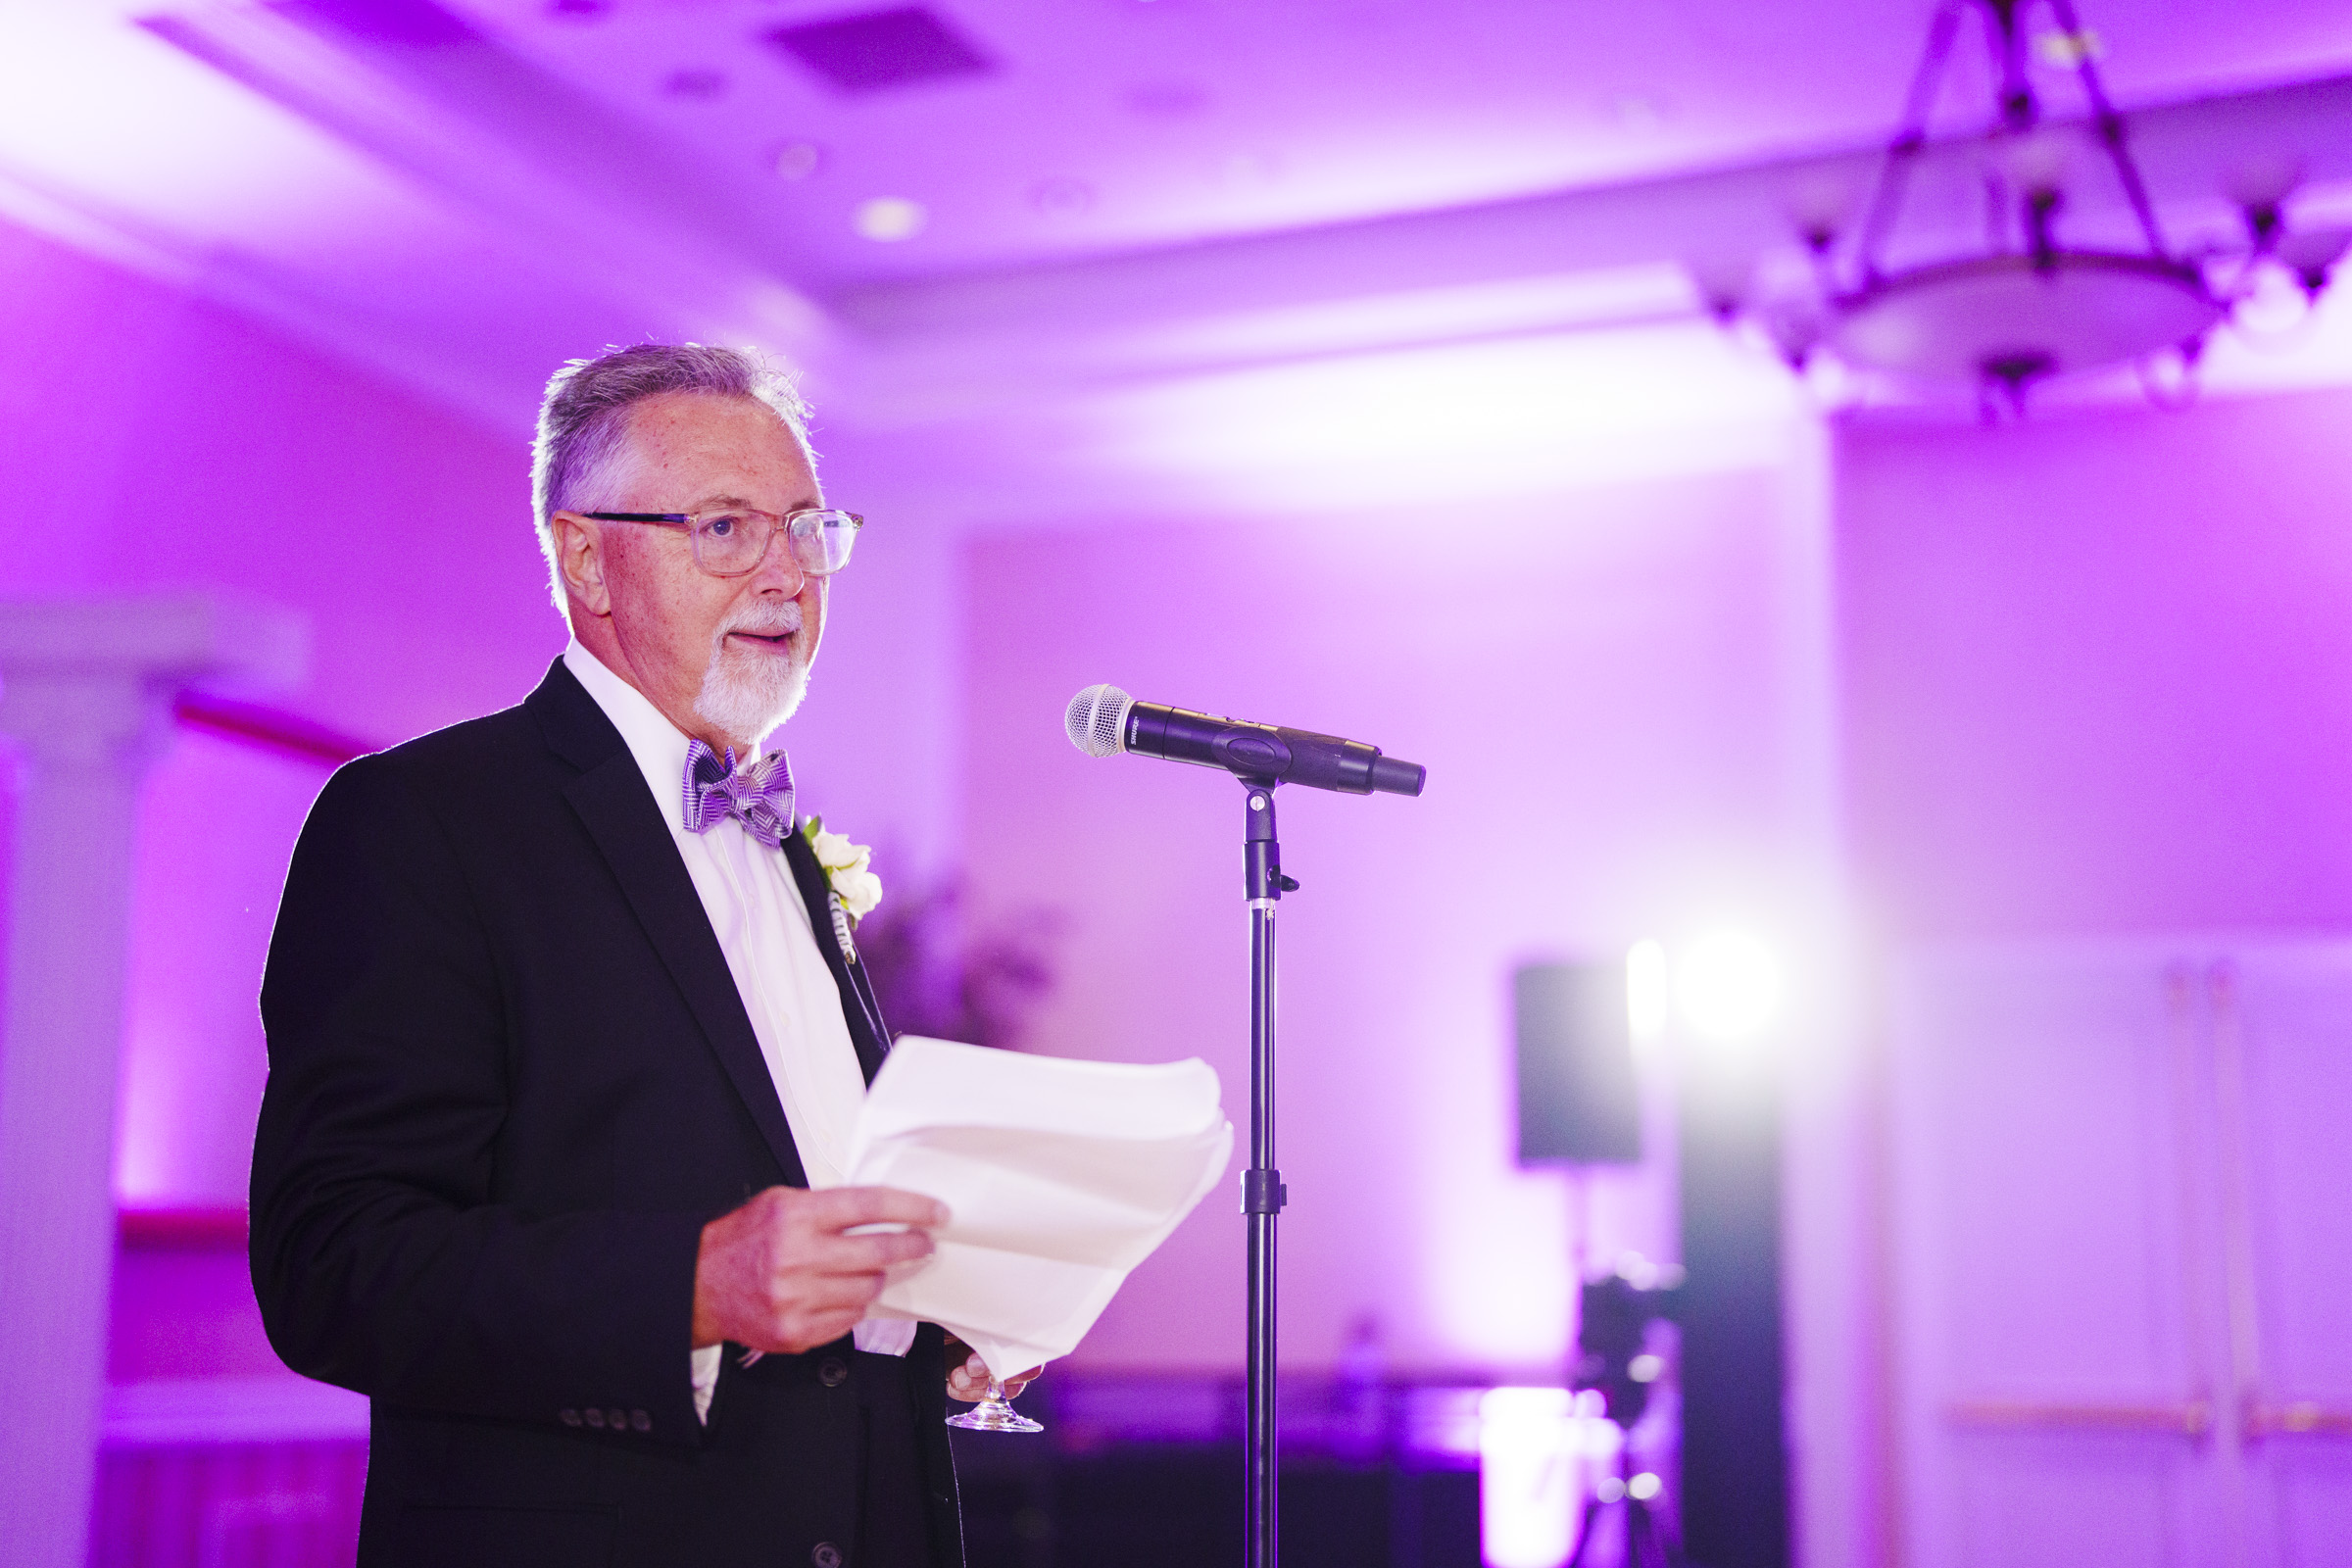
[994, 1413]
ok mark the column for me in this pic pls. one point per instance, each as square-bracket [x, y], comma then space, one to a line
[85, 696]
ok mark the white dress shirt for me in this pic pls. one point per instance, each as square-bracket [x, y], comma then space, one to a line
[763, 928]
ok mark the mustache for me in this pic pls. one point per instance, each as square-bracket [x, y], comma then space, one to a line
[783, 621]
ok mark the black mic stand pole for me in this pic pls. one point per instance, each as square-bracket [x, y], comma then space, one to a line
[1262, 1192]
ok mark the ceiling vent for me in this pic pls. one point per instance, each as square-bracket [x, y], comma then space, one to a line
[881, 49]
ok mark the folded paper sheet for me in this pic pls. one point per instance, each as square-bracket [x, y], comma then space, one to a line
[1061, 1175]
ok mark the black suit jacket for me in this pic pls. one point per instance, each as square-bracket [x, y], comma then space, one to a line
[510, 1079]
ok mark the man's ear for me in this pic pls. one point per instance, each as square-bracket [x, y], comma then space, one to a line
[581, 556]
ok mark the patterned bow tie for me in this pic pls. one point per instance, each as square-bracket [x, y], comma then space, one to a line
[759, 797]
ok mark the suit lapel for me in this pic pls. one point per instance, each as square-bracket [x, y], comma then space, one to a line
[611, 799]
[859, 1008]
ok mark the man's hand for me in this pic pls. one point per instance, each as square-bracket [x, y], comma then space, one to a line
[968, 1380]
[777, 1274]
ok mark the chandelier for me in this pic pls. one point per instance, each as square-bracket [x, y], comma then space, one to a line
[2025, 305]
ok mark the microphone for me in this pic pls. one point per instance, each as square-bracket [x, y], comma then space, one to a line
[1103, 722]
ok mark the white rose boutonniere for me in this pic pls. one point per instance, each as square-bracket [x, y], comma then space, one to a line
[847, 868]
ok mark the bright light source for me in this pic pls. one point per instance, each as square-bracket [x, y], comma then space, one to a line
[1643, 1486]
[1648, 993]
[890, 218]
[1527, 1492]
[1645, 1368]
[1730, 986]
[1643, 1274]
[1505, 1409]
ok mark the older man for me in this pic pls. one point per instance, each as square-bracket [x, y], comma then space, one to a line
[567, 1034]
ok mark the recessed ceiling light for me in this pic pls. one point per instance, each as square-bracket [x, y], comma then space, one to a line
[797, 160]
[1638, 111]
[1170, 99]
[1063, 196]
[1251, 167]
[890, 218]
[2067, 51]
[696, 82]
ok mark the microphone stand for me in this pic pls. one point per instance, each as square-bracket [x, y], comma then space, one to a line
[1262, 1192]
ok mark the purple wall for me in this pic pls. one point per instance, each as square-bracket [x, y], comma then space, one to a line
[2098, 670]
[2096, 677]
[1601, 687]
[162, 443]
[158, 443]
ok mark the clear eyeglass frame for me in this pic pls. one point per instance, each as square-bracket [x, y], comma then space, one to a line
[732, 541]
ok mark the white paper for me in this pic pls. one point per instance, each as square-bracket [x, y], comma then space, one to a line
[1061, 1176]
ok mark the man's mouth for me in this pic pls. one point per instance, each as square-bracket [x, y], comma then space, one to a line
[779, 641]
[771, 634]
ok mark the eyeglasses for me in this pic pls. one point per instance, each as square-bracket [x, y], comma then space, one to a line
[733, 540]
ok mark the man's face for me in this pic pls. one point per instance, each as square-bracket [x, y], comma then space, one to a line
[723, 658]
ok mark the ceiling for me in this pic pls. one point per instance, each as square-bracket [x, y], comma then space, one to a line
[466, 192]
[1110, 124]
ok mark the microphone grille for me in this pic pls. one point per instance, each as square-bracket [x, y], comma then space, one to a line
[1097, 720]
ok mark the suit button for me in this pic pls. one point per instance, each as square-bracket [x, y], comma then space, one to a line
[571, 1418]
[641, 1421]
[618, 1420]
[596, 1418]
[827, 1555]
[832, 1372]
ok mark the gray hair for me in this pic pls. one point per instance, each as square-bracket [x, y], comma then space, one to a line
[584, 421]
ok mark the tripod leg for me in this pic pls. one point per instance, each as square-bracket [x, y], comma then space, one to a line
[1670, 1547]
[1664, 1550]
[1642, 1549]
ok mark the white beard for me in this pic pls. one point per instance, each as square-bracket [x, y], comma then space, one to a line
[745, 694]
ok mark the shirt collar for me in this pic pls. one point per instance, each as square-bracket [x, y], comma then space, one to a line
[658, 744]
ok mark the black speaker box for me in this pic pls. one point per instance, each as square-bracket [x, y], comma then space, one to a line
[1577, 1099]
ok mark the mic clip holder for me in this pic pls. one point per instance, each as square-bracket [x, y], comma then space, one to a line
[1262, 854]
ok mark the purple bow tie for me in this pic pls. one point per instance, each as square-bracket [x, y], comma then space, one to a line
[759, 797]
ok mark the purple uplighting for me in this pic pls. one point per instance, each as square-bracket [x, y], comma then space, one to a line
[1957, 766]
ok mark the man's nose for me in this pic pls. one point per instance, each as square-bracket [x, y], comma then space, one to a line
[779, 571]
